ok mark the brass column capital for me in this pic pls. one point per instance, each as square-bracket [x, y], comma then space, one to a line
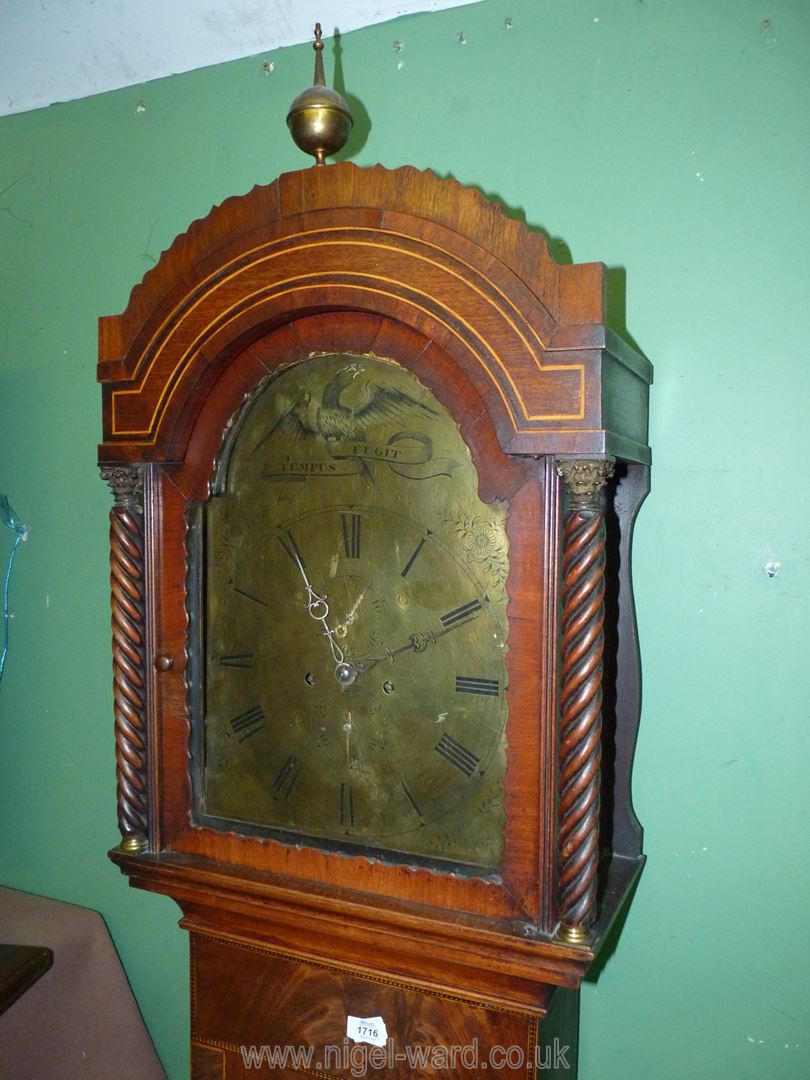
[585, 478]
[126, 483]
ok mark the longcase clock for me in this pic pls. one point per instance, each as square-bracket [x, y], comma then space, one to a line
[375, 460]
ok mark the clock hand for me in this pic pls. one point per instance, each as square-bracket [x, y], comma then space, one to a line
[318, 609]
[416, 643]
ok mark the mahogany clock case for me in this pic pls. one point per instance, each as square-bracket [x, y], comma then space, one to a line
[422, 272]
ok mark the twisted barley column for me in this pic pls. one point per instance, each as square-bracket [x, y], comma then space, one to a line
[583, 594]
[129, 647]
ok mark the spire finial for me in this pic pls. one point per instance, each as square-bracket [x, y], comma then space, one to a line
[319, 119]
[317, 45]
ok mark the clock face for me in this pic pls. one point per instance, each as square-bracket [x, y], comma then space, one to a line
[354, 623]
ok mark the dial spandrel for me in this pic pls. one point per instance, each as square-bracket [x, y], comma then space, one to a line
[355, 623]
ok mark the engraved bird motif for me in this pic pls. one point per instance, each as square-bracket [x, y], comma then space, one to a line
[332, 419]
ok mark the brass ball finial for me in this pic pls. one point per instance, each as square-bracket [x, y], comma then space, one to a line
[319, 119]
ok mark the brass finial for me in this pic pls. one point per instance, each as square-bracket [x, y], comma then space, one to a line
[317, 45]
[319, 119]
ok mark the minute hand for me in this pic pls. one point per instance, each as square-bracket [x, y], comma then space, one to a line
[318, 609]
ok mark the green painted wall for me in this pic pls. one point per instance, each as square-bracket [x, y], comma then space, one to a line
[669, 140]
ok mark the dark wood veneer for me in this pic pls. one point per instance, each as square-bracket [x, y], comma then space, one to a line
[421, 270]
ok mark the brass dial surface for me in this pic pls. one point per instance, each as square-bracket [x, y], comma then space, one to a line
[354, 622]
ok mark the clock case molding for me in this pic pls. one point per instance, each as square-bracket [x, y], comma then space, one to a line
[404, 265]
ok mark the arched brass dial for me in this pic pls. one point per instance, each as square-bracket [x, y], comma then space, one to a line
[355, 623]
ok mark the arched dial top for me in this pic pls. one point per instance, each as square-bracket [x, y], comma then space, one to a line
[355, 627]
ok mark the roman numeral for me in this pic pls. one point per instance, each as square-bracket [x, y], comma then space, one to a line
[346, 805]
[350, 524]
[287, 541]
[286, 777]
[411, 799]
[460, 614]
[248, 723]
[412, 559]
[467, 684]
[463, 759]
[237, 660]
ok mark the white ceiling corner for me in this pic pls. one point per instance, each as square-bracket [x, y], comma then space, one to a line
[59, 50]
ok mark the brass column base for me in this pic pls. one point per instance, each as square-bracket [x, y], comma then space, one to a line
[574, 935]
[133, 844]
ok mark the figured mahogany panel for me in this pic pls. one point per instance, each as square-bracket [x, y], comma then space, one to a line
[249, 1002]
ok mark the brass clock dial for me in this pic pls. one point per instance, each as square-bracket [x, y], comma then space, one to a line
[354, 622]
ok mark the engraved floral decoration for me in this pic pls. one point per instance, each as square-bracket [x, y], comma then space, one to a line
[483, 541]
[491, 799]
[224, 547]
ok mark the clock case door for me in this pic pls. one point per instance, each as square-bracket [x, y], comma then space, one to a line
[404, 266]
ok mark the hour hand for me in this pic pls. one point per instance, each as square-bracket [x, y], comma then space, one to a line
[415, 643]
[361, 664]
